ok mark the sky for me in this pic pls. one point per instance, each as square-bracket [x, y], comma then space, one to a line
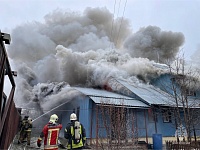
[169, 15]
[56, 44]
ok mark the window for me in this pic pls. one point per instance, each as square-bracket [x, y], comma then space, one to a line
[167, 116]
[190, 93]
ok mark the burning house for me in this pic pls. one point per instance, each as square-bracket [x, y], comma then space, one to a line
[71, 63]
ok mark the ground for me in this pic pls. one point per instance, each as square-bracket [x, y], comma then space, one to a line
[23, 146]
[33, 146]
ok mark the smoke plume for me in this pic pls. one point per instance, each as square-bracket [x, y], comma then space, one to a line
[154, 44]
[74, 49]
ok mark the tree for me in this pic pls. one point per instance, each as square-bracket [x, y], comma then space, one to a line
[184, 84]
[115, 126]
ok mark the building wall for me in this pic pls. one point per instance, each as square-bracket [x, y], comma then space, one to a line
[136, 126]
[141, 125]
[80, 106]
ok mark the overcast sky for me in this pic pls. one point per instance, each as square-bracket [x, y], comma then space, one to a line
[170, 15]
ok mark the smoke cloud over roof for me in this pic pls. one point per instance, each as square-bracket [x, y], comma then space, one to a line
[154, 44]
[74, 49]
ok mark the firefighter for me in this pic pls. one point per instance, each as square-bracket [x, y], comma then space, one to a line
[50, 133]
[75, 133]
[25, 130]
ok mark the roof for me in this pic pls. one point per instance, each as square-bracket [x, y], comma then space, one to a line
[193, 102]
[149, 93]
[110, 98]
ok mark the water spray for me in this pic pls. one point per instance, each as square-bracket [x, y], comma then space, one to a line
[49, 111]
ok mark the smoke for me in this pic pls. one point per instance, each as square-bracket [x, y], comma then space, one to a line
[73, 49]
[154, 44]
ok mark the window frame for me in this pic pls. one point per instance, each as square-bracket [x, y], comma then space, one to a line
[166, 116]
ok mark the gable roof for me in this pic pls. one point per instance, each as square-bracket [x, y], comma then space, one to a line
[110, 98]
[149, 93]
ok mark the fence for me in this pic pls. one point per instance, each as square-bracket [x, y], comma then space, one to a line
[173, 145]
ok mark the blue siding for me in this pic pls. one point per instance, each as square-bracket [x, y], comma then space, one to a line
[140, 123]
[166, 129]
[65, 111]
[164, 83]
[84, 114]
[94, 125]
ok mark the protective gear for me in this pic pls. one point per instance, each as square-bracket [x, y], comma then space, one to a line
[77, 132]
[75, 141]
[73, 116]
[50, 134]
[39, 142]
[53, 118]
[30, 120]
[25, 130]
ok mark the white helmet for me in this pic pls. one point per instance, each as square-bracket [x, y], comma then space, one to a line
[73, 116]
[30, 120]
[53, 118]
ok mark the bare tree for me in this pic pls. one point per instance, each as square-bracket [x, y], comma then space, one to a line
[184, 84]
[117, 123]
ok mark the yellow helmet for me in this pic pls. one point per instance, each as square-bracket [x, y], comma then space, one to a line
[73, 116]
[53, 118]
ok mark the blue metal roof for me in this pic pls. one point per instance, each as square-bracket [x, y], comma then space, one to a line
[106, 97]
[193, 102]
[149, 93]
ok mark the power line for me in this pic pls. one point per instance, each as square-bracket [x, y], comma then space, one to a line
[111, 39]
[121, 21]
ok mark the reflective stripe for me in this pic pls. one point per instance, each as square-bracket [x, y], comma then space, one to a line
[80, 144]
[50, 146]
[54, 129]
[75, 145]
[49, 135]
[72, 130]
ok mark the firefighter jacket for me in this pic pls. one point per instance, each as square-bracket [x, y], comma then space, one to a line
[69, 134]
[50, 133]
[25, 131]
[26, 125]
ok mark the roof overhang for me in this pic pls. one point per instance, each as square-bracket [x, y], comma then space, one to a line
[111, 98]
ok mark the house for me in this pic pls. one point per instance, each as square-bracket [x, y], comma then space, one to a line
[9, 114]
[185, 91]
[126, 111]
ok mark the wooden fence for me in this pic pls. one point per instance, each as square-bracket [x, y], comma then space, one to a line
[173, 145]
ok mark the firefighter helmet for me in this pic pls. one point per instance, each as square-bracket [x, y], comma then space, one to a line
[73, 116]
[53, 118]
[30, 120]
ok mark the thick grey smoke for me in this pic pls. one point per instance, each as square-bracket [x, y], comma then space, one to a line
[154, 44]
[71, 49]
